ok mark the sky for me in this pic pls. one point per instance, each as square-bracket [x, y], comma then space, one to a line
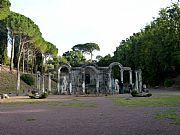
[66, 23]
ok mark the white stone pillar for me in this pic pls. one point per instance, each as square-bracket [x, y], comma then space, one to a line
[136, 84]
[83, 81]
[70, 82]
[110, 83]
[42, 82]
[130, 76]
[70, 88]
[58, 80]
[83, 87]
[49, 81]
[122, 71]
[140, 80]
[97, 83]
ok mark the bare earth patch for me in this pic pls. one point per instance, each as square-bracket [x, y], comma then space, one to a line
[68, 115]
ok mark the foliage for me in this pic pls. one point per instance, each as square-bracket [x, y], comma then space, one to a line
[44, 95]
[86, 48]
[134, 92]
[74, 58]
[105, 61]
[3, 44]
[37, 96]
[28, 79]
[168, 82]
[4, 9]
[169, 114]
[155, 49]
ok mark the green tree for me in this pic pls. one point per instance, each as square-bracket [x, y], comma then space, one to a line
[75, 58]
[156, 49]
[87, 48]
[4, 9]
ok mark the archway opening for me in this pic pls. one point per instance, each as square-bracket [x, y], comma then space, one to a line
[91, 76]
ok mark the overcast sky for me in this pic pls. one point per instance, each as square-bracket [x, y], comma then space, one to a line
[66, 23]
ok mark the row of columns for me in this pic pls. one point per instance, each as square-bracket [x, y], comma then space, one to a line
[40, 82]
[122, 78]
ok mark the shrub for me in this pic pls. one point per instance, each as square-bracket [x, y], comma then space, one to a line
[44, 95]
[168, 82]
[33, 95]
[134, 92]
[28, 79]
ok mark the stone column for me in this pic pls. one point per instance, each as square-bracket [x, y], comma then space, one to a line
[110, 83]
[130, 76]
[140, 80]
[70, 82]
[97, 83]
[58, 80]
[83, 81]
[122, 71]
[49, 81]
[42, 82]
[136, 84]
[38, 81]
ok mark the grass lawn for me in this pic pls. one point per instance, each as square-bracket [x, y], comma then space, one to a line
[69, 102]
[147, 101]
[170, 114]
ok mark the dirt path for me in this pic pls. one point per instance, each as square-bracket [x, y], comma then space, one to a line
[103, 119]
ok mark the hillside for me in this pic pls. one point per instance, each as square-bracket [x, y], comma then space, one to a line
[8, 82]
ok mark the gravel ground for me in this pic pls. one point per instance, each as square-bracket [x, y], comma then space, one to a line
[104, 119]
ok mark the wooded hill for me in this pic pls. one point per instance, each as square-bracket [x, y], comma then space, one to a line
[155, 49]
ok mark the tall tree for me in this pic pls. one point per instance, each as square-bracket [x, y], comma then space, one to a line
[4, 9]
[75, 58]
[156, 49]
[87, 48]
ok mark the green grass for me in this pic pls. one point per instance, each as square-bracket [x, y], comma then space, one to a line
[169, 114]
[25, 102]
[147, 102]
[8, 83]
[81, 104]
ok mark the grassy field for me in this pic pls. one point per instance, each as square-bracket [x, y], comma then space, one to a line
[171, 114]
[157, 101]
[8, 82]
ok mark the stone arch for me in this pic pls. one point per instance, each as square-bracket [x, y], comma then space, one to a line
[122, 69]
[115, 64]
[95, 70]
[65, 66]
[69, 83]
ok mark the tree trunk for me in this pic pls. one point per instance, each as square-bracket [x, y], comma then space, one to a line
[23, 60]
[27, 60]
[18, 66]
[12, 53]
[32, 65]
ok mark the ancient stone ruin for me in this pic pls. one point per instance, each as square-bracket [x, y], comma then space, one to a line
[89, 79]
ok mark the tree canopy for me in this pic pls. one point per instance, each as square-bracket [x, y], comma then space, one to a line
[86, 48]
[4, 8]
[155, 49]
